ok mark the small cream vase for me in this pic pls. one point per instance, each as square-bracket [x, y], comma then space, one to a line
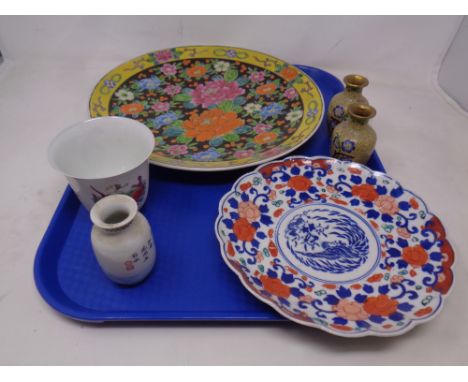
[122, 240]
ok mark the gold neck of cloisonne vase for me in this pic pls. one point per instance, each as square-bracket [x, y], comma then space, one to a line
[355, 82]
[361, 112]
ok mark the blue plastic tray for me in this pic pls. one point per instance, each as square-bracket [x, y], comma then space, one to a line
[190, 280]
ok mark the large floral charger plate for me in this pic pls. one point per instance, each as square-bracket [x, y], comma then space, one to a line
[213, 107]
[337, 246]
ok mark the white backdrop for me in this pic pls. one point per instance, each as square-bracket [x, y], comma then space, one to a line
[51, 67]
[404, 46]
[452, 72]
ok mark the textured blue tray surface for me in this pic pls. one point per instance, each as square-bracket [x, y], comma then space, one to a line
[190, 280]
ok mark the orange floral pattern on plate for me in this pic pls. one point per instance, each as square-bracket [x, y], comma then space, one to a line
[405, 283]
[211, 124]
[212, 110]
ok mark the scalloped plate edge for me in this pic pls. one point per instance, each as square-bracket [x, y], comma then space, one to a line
[413, 323]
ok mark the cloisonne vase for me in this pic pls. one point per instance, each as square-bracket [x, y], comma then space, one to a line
[354, 139]
[337, 110]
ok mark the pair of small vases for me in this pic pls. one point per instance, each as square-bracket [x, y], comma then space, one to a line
[349, 112]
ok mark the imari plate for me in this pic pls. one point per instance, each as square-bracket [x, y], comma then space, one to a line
[337, 246]
[213, 107]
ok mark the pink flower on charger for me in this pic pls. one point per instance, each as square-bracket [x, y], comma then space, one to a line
[403, 232]
[177, 150]
[249, 211]
[351, 310]
[160, 106]
[290, 93]
[214, 92]
[163, 55]
[395, 279]
[244, 153]
[172, 89]
[306, 298]
[257, 76]
[169, 69]
[272, 195]
[259, 257]
[387, 204]
[262, 127]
